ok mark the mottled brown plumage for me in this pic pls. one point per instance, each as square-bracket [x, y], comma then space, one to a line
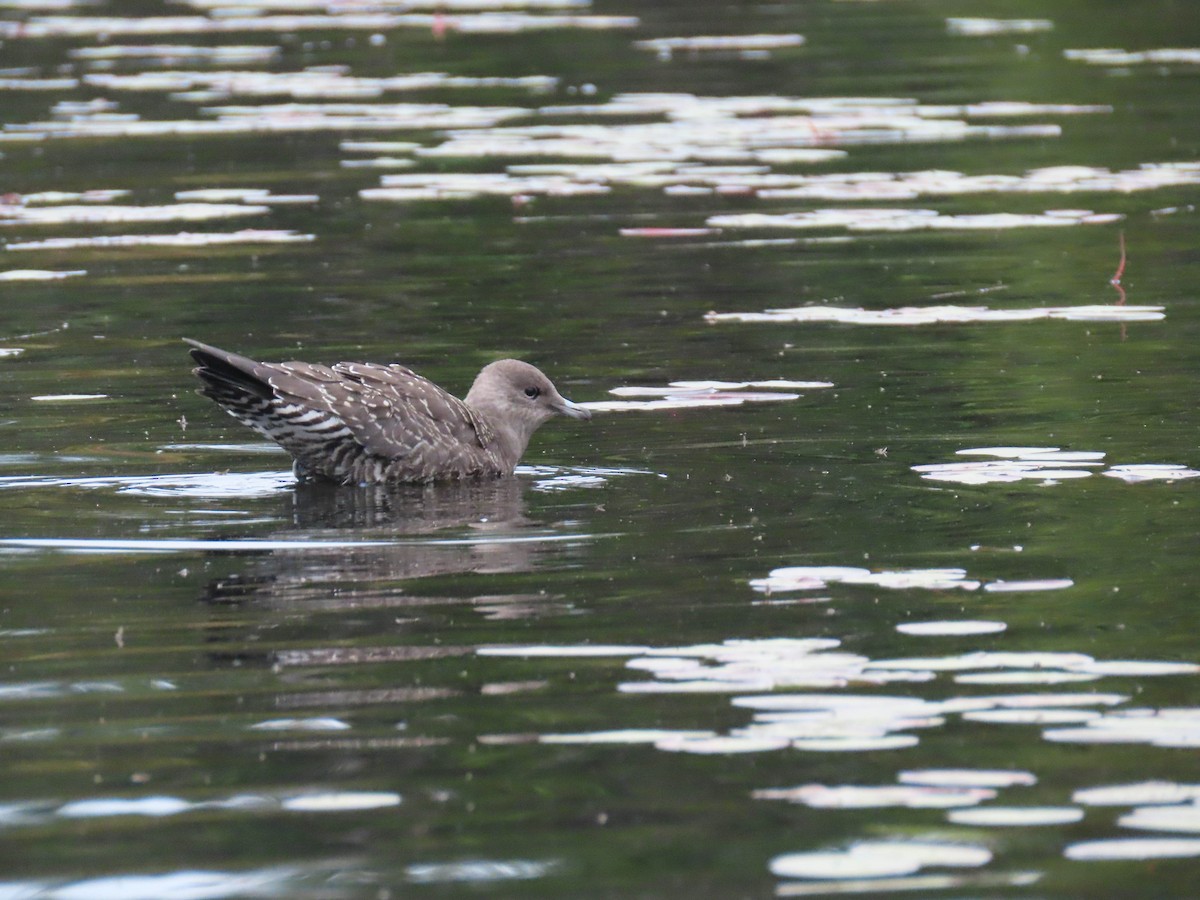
[357, 423]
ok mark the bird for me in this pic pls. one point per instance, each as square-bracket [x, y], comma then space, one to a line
[367, 423]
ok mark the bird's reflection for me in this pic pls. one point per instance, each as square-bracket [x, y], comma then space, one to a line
[397, 534]
[492, 505]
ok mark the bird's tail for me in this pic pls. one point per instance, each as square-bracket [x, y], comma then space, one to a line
[226, 374]
[279, 404]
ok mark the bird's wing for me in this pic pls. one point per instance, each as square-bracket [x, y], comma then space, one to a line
[390, 410]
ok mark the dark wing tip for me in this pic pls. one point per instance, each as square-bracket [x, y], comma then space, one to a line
[218, 368]
[204, 353]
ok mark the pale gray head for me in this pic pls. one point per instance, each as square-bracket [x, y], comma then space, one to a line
[516, 397]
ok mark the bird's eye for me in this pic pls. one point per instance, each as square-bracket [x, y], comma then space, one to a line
[533, 393]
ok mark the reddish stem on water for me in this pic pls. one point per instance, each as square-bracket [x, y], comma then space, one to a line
[1115, 281]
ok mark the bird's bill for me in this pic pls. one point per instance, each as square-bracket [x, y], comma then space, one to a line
[574, 410]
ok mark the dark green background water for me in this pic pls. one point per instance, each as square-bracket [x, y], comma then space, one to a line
[128, 674]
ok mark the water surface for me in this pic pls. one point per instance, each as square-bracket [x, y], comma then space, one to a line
[874, 575]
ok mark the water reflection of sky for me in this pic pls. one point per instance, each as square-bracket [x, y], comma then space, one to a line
[834, 715]
[679, 144]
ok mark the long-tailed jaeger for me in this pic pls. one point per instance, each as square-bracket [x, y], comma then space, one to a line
[356, 423]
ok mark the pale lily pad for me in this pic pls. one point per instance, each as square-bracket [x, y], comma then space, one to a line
[1034, 701]
[856, 744]
[1015, 816]
[1113, 57]
[950, 628]
[922, 315]
[720, 745]
[624, 736]
[988, 660]
[819, 577]
[1170, 727]
[139, 806]
[974, 778]
[572, 651]
[341, 801]
[977, 26]
[39, 274]
[1143, 792]
[314, 724]
[819, 796]
[67, 398]
[665, 47]
[1027, 676]
[1135, 474]
[1031, 584]
[838, 865]
[1139, 668]
[1134, 849]
[181, 240]
[877, 859]
[690, 394]
[1031, 716]
[1163, 818]
[92, 214]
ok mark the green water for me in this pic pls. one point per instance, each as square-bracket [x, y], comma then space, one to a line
[318, 721]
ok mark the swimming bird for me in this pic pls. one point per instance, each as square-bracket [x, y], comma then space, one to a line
[362, 423]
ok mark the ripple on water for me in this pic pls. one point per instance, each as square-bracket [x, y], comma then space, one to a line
[160, 806]
[692, 148]
[247, 485]
[480, 870]
[206, 484]
[552, 479]
[183, 884]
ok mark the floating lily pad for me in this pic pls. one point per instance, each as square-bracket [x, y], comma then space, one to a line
[975, 778]
[951, 628]
[1134, 849]
[819, 796]
[1015, 816]
[978, 26]
[875, 859]
[341, 801]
